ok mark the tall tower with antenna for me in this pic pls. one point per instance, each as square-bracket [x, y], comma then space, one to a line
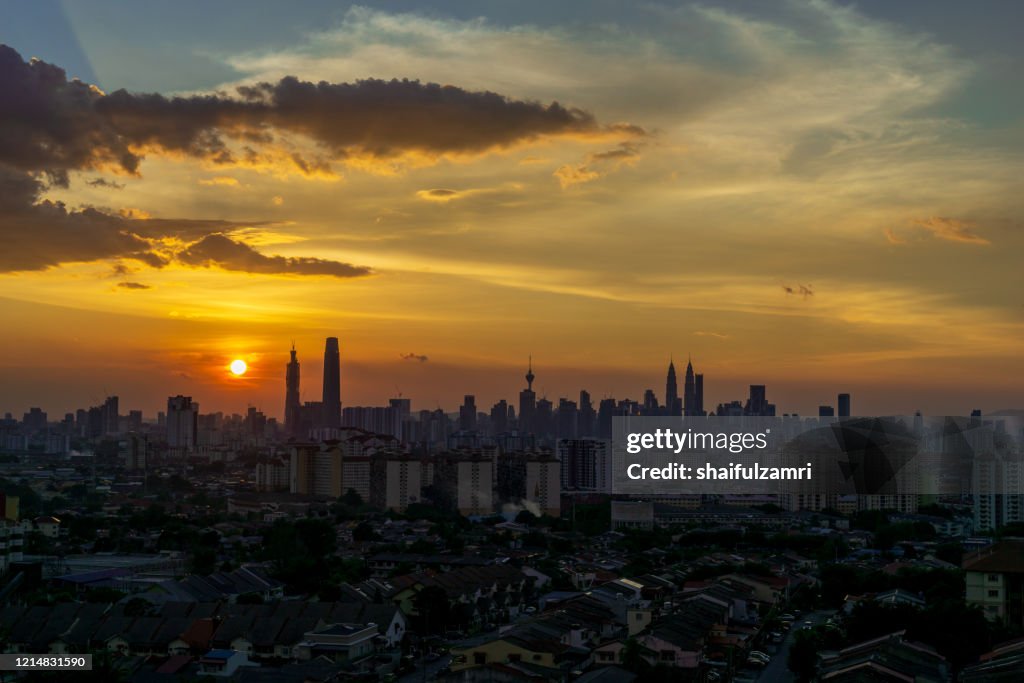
[527, 402]
[292, 404]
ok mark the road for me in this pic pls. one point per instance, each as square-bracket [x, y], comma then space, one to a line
[777, 671]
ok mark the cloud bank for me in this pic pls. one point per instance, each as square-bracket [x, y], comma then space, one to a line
[51, 126]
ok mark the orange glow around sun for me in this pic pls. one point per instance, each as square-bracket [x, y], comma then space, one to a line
[238, 367]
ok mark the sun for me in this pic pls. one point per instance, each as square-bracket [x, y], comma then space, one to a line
[238, 367]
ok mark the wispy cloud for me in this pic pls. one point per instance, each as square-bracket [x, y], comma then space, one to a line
[951, 230]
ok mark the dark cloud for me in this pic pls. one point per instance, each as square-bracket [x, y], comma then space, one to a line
[224, 252]
[626, 152]
[50, 126]
[439, 193]
[414, 357]
[801, 290]
[38, 234]
[133, 285]
[102, 182]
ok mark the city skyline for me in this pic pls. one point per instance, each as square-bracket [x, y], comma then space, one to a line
[810, 196]
[299, 397]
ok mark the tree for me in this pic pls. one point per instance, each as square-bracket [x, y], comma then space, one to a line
[317, 537]
[364, 532]
[352, 499]
[433, 611]
[803, 654]
[526, 517]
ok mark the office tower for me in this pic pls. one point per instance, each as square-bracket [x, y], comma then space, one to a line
[568, 415]
[402, 406]
[672, 404]
[182, 422]
[34, 420]
[698, 383]
[110, 415]
[332, 384]
[587, 418]
[385, 420]
[499, 417]
[605, 413]
[544, 418]
[757, 403]
[586, 464]
[527, 403]
[133, 451]
[467, 414]
[134, 420]
[689, 391]
[844, 405]
[651, 406]
[826, 411]
[292, 406]
[94, 422]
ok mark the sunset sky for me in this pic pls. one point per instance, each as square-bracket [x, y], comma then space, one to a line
[816, 196]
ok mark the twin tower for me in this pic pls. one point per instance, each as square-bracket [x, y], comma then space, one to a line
[327, 413]
[692, 401]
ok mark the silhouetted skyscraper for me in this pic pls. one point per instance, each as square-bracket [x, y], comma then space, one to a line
[568, 416]
[698, 383]
[292, 406]
[844, 405]
[672, 404]
[826, 411]
[587, 418]
[527, 403]
[182, 422]
[499, 417]
[758, 403]
[467, 414]
[690, 391]
[332, 384]
[110, 415]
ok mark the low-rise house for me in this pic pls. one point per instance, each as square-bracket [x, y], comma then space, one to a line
[888, 658]
[340, 642]
[995, 581]
[223, 663]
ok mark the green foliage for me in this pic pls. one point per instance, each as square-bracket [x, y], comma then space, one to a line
[950, 552]
[432, 611]
[364, 532]
[803, 654]
[639, 540]
[526, 517]
[301, 552]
